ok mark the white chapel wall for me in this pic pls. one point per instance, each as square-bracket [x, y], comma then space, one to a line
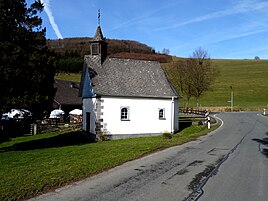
[89, 106]
[143, 116]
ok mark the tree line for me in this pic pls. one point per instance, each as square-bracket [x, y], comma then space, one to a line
[70, 52]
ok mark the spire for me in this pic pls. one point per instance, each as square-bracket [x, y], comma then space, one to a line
[99, 17]
[98, 35]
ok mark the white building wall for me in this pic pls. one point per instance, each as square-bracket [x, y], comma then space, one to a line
[143, 116]
[89, 107]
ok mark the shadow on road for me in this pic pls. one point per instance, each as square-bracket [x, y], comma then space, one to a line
[265, 152]
[263, 141]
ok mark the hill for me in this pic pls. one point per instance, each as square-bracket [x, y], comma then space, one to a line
[70, 52]
[248, 78]
[81, 46]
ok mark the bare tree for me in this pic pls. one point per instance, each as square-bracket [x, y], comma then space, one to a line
[165, 51]
[180, 76]
[193, 76]
[203, 73]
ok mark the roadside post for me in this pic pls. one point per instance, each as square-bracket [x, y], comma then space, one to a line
[232, 98]
[208, 120]
[264, 112]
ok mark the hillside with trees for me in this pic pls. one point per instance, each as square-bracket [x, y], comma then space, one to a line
[70, 52]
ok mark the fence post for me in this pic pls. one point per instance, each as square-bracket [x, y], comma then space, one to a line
[34, 128]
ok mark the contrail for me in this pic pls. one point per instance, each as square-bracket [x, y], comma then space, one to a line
[48, 11]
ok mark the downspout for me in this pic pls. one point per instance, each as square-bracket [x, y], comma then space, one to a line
[172, 115]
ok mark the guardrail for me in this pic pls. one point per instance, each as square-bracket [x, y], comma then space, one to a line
[194, 111]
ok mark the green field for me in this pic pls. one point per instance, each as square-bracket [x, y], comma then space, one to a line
[74, 77]
[249, 80]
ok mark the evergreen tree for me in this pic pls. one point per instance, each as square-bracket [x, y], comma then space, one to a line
[26, 64]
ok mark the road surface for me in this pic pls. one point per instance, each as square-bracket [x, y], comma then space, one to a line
[228, 164]
[244, 174]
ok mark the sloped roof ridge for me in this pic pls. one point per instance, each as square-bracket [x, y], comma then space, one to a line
[130, 59]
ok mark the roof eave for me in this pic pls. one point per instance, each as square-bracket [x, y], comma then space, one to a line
[137, 96]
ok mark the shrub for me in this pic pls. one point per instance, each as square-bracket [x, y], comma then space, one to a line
[167, 135]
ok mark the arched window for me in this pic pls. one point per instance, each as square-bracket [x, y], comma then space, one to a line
[124, 113]
[161, 113]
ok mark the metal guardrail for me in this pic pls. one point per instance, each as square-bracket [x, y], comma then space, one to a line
[194, 111]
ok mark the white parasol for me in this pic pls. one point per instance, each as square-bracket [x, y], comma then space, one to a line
[56, 113]
[76, 112]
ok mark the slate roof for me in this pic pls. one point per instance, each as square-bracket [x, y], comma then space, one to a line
[67, 93]
[128, 77]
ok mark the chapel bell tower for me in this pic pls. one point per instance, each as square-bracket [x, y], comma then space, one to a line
[98, 44]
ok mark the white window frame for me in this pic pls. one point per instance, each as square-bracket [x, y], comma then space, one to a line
[161, 116]
[127, 114]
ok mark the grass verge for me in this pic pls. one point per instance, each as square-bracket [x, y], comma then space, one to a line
[31, 165]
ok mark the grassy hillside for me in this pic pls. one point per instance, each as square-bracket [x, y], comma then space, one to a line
[249, 79]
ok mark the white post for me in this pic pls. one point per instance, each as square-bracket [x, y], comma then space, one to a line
[208, 120]
[232, 101]
[264, 112]
[232, 98]
[34, 129]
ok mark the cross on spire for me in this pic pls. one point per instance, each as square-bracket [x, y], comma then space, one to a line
[99, 15]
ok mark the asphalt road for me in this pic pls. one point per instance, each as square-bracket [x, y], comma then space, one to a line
[244, 174]
[228, 164]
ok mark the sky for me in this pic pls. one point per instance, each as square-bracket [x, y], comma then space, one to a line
[226, 29]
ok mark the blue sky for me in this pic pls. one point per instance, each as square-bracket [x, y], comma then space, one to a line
[229, 29]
